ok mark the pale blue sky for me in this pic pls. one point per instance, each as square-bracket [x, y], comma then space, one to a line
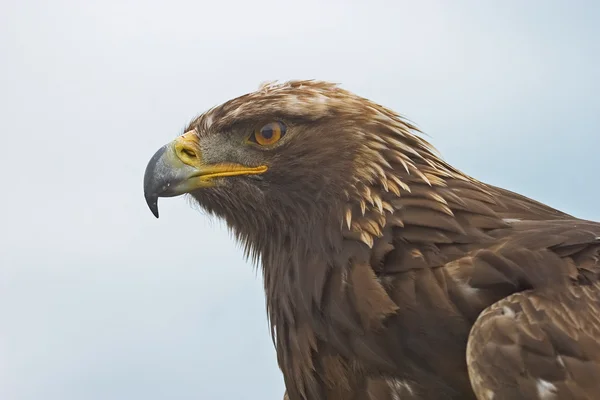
[99, 300]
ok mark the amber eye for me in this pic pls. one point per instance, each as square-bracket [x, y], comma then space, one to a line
[269, 134]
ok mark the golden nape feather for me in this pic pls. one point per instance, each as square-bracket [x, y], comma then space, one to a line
[388, 273]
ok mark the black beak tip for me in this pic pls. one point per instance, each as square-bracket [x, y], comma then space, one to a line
[150, 183]
[152, 201]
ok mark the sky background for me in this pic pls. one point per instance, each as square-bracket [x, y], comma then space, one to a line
[99, 300]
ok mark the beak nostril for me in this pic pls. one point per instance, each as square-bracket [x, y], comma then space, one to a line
[188, 152]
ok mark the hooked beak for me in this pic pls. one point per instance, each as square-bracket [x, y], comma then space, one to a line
[177, 168]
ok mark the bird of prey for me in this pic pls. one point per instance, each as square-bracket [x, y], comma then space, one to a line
[388, 273]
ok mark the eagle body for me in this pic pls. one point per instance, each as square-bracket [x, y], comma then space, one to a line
[388, 273]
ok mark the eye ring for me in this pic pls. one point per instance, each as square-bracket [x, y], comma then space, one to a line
[269, 134]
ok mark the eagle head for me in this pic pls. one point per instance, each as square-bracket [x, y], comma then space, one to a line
[287, 161]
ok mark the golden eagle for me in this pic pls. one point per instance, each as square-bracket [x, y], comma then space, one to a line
[388, 273]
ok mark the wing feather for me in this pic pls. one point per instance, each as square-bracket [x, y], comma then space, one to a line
[538, 344]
